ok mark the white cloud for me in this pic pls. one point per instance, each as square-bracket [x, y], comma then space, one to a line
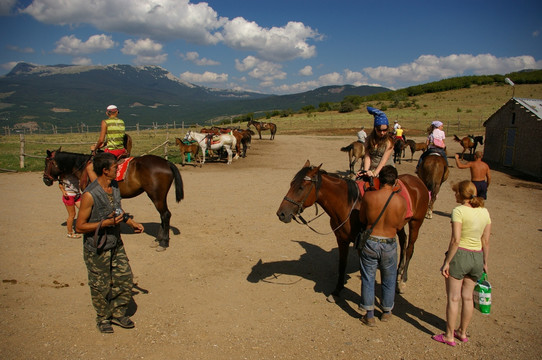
[70, 45]
[275, 44]
[6, 6]
[193, 56]
[265, 71]
[164, 19]
[16, 48]
[306, 71]
[429, 67]
[146, 51]
[81, 61]
[206, 77]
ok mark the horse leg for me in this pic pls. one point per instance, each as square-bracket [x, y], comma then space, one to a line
[413, 231]
[160, 203]
[343, 257]
[230, 153]
[402, 260]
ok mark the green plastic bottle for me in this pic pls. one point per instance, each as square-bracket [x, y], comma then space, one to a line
[482, 295]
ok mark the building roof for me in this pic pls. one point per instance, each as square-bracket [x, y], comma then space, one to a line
[533, 105]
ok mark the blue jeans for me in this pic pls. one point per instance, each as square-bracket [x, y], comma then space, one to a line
[384, 257]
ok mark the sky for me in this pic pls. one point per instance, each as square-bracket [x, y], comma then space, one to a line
[279, 46]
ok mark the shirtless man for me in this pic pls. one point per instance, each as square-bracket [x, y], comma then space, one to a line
[380, 250]
[479, 173]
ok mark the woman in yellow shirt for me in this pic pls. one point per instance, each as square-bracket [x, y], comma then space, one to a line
[466, 259]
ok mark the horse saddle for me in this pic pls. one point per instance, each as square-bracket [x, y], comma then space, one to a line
[122, 167]
[375, 185]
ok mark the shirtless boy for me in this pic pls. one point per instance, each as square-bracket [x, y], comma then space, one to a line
[479, 173]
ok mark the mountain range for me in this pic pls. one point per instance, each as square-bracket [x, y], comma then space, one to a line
[69, 95]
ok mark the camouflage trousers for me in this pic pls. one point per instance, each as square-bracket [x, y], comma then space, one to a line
[110, 279]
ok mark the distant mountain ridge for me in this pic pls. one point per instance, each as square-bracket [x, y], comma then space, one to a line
[68, 95]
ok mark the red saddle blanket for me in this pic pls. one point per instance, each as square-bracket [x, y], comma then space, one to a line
[121, 169]
[364, 186]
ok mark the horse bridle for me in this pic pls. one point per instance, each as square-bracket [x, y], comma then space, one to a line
[301, 207]
[50, 163]
[299, 204]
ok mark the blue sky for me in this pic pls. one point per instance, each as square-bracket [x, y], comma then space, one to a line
[279, 46]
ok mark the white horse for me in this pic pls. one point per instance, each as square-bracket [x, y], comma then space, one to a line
[226, 140]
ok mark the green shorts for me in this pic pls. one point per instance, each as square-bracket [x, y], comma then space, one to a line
[467, 262]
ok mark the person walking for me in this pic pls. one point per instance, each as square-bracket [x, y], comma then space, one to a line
[479, 173]
[111, 138]
[109, 273]
[385, 214]
[71, 197]
[465, 261]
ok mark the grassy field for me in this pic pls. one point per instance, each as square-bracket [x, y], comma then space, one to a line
[462, 112]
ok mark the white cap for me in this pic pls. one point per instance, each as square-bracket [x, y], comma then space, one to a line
[111, 107]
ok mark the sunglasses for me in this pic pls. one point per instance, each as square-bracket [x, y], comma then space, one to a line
[382, 130]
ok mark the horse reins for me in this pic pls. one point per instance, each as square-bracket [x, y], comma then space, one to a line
[300, 208]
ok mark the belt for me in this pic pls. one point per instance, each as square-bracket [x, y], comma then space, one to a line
[380, 240]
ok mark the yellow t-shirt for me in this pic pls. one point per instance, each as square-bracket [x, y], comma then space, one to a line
[473, 222]
[399, 132]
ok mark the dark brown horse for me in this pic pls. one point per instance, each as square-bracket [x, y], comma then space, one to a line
[433, 171]
[355, 151]
[340, 199]
[469, 143]
[244, 138]
[149, 173]
[414, 146]
[399, 146]
[260, 126]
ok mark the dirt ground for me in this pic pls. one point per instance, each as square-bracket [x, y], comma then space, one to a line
[236, 283]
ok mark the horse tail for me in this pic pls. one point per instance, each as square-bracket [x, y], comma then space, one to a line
[457, 139]
[179, 191]
[347, 148]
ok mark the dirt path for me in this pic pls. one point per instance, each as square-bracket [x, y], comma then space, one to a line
[237, 283]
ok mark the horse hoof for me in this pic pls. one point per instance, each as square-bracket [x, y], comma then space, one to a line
[401, 288]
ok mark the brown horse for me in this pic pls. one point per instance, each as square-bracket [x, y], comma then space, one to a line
[260, 126]
[399, 147]
[188, 148]
[149, 173]
[414, 146]
[244, 138]
[469, 143]
[340, 199]
[433, 171]
[355, 151]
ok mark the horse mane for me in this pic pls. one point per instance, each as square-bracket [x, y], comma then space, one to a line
[68, 161]
[353, 190]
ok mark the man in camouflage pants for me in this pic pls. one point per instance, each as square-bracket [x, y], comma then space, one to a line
[109, 273]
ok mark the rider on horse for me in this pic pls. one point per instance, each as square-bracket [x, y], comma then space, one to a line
[112, 136]
[435, 142]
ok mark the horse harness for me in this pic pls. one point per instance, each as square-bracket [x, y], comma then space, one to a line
[301, 207]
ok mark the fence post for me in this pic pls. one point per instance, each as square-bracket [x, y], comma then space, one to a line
[166, 145]
[21, 155]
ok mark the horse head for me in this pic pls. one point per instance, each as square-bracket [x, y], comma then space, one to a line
[479, 139]
[51, 171]
[303, 193]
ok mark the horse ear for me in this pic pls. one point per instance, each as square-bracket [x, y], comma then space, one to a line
[319, 166]
[307, 163]
[59, 149]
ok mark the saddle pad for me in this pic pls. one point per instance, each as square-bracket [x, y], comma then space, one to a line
[364, 186]
[121, 170]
